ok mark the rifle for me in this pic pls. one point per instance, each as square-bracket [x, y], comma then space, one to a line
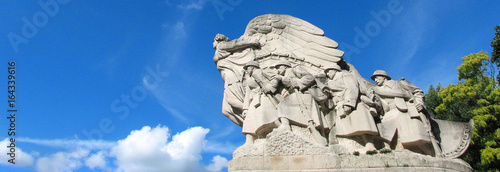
[303, 109]
[427, 124]
[273, 101]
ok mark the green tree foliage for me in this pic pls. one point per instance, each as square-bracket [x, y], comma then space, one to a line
[495, 55]
[475, 97]
[432, 99]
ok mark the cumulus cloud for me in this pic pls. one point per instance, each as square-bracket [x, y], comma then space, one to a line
[140, 150]
[22, 159]
[148, 149]
[62, 161]
[218, 163]
[96, 160]
[188, 144]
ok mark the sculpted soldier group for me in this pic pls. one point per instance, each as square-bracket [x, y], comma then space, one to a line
[284, 95]
[283, 74]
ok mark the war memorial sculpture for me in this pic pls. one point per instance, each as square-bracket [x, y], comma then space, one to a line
[304, 108]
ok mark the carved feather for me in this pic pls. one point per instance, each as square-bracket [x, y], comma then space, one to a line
[285, 35]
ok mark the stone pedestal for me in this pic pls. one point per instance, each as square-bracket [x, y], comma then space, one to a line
[287, 151]
[395, 161]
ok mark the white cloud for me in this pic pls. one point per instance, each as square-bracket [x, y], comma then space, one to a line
[96, 160]
[62, 161]
[188, 144]
[140, 150]
[70, 144]
[149, 150]
[218, 163]
[22, 159]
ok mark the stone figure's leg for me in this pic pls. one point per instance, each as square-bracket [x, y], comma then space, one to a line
[229, 112]
[332, 137]
[285, 124]
[249, 139]
[277, 122]
[386, 148]
[330, 122]
[369, 146]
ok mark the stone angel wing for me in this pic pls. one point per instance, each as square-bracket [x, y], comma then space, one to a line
[291, 37]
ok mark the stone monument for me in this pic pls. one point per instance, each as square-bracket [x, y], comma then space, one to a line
[304, 108]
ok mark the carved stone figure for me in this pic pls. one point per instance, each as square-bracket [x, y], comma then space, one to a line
[298, 106]
[259, 106]
[351, 117]
[303, 107]
[403, 103]
[230, 57]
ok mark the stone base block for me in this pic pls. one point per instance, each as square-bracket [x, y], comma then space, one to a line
[395, 161]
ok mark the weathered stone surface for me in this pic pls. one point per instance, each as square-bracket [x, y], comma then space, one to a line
[284, 142]
[397, 161]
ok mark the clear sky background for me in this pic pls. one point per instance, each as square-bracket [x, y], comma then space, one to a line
[131, 85]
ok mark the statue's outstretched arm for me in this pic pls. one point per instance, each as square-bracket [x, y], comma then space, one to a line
[238, 44]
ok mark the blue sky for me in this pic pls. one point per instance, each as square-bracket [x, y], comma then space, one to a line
[121, 86]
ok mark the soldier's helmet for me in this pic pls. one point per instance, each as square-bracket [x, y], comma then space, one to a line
[333, 66]
[251, 63]
[283, 63]
[380, 73]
